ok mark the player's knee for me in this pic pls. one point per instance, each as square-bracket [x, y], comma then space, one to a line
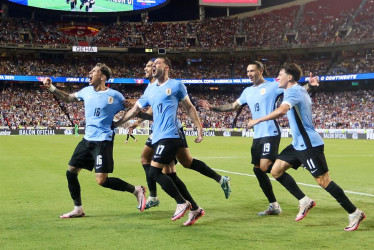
[265, 168]
[276, 172]
[144, 160]
[323, 181]
[186, 163]
[101, 180]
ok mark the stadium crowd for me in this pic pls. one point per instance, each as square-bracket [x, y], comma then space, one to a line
[186, 67]
[32, 107]
[315, 22]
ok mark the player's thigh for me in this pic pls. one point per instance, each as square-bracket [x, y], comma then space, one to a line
[286, 159]
[83, 156]
[147, 153]
[270, 147]
[184, 157]
[314, 160]
[279, 168]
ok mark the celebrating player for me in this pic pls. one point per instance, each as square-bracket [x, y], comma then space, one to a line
[164, 96]
[307, 147]
[183, 156]
[95, 151]
[261, 98]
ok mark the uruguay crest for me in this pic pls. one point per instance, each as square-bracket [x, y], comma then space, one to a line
[263, 91]
[168, 91]
[110, 99]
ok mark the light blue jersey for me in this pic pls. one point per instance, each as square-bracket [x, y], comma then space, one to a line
[164, 100]
[300, 118]
[261, 101]
[100, 108]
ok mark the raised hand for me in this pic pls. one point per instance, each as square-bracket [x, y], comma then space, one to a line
[313, 81]
[205, 104]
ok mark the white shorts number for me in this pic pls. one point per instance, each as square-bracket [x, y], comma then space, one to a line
[159, 149]
[99, 160]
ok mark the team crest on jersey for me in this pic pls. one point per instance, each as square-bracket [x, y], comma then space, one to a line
[168, 91]
[110, 100]
[263, 91]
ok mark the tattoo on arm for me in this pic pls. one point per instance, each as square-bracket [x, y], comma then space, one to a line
[144, 116]
[64, 96]
[224, 108]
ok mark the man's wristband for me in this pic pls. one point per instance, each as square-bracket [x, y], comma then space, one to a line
[52, 88]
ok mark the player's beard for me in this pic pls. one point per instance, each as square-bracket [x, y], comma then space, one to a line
[158, 73]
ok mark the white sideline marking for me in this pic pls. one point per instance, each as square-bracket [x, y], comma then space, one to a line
[299, 183]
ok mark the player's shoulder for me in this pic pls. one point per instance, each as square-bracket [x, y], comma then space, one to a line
[87, 89]
[175, 81]
[271, 84]
[114, 93]
[294, 90]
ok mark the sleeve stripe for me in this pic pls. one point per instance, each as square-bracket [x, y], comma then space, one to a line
[139, 105]
[288, 103]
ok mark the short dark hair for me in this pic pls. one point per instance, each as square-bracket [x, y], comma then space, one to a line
[105, 70]
[166, 61]
[257, 63]
[292, 69]
[260, 66]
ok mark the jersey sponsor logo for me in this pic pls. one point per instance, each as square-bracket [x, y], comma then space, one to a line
[110, 99]
[168, 91]
[263, 91]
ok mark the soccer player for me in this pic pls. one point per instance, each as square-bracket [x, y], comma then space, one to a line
[76, 129]
[164, 96]
[183, 156]
[261, 98]
[73, 4]
[95, 151]
[307, 147]
[128, 136]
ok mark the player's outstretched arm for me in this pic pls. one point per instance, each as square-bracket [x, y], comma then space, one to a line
[140, 119]
[129, 114]
[66, 97]
[279, 112]
[192, 113]
[222, 108]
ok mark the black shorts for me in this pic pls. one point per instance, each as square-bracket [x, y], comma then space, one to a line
[166, 150]
[93, 154]
[265, 148]
[312, 159]
[183, 137]
[148, 143]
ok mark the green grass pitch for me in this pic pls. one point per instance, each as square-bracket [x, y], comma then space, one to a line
[100, 5]
[33, 191]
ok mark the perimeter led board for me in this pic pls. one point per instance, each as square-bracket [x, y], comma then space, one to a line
[230, 3]
[98, 6]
